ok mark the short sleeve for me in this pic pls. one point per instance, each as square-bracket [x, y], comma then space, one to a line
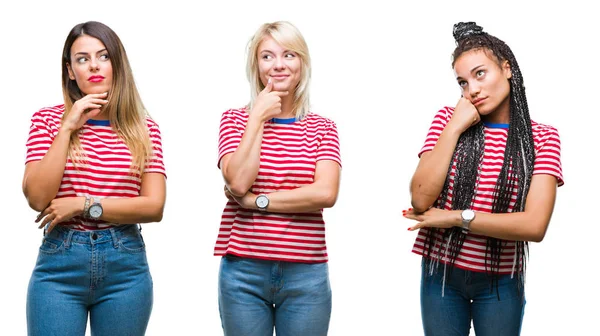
[229, 135]
[440, 120]
[41, 135]
[547, 158]
[329, 148]
[156, 162]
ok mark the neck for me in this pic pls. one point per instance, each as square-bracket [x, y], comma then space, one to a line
[501, 115]
[101, 116]
[287, 107]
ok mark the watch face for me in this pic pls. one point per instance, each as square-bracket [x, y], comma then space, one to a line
[95, 211]
[468, 215]
[262, 201]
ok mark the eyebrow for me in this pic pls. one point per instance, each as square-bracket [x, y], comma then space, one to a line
[475, 68]
[84, 53]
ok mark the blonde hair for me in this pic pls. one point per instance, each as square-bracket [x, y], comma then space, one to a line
[125, 109]
[289, 37]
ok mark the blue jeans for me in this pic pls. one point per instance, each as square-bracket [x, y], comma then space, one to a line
[257, 295]
[469, 296]
[101, 272]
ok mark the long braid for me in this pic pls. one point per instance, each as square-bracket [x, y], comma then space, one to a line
[517, 166]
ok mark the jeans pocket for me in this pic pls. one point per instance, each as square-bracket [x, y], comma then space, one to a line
[50, 245]
[132, 244]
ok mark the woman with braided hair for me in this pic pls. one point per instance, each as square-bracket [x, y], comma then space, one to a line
[485, 185]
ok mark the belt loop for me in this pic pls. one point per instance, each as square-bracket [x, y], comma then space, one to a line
[114, 237]
[69, 238]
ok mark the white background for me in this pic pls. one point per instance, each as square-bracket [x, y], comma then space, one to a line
[380, 71]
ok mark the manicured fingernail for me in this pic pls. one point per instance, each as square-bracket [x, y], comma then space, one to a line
[409, 229]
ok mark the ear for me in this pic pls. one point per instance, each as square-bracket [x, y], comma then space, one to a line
[71, 75]
[506, 69]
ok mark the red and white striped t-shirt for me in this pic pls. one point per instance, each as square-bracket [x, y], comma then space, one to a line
[289, 154]
[547, 161]
[105, 171]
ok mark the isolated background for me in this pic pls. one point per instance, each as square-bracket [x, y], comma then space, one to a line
[380, 71]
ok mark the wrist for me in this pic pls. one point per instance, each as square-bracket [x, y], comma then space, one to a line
[255, 117]
[84, 203]
[66, 130]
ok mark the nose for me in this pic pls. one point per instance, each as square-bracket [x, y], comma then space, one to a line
[279, 63]
[93, 65]
[474, 89]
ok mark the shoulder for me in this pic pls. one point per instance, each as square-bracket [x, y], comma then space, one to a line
[50, 113]
[543, 131]
[236, 113]
[445, 112]
[314, 119]
[152, 125]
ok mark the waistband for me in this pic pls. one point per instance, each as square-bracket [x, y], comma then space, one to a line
[113, 234]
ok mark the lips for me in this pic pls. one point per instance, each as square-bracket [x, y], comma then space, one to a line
[280, 77]
[478, 101]
[96, 79]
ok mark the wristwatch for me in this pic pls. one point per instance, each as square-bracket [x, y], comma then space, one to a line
[95, 210]
[467, 216]
[262, 202]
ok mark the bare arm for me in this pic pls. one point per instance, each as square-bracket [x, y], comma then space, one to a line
[240, 168]
[41, 179]
[529, 225]
[146, 208]
[320, 194]
[430, 175]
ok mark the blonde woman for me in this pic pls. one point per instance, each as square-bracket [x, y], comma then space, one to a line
[281, 165]
[94, 170]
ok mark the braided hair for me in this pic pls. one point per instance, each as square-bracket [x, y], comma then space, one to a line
[517, 167]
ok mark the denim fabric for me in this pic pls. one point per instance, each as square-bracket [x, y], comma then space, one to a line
[469, 296]
[104, 273]
[256, 296]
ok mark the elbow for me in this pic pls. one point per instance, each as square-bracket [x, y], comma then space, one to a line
[328, 199]
[537, 236]
[37, 204]
[420, 205]
[239, 189]
[157, 215]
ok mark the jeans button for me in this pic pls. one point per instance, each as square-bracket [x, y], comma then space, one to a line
[94, 236]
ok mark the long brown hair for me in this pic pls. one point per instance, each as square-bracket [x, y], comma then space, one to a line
[125, 110]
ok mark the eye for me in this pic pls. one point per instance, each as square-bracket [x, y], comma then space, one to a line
[267, 57]
[480, 73]
[81, 60]
[290, 55]
[462, 83]
[104, 57]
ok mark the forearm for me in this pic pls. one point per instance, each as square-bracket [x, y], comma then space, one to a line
[133, 210]
[310, 198]
[521, 226]
[42, 179]
[430, 175]
[242, 167]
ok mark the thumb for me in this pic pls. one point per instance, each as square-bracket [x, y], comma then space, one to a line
[269, 86]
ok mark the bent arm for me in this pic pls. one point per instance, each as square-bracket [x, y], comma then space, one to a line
[146, 208]
[240, 168]
[42, 179]
[430, 175]
[529, 225]
[320, 194]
